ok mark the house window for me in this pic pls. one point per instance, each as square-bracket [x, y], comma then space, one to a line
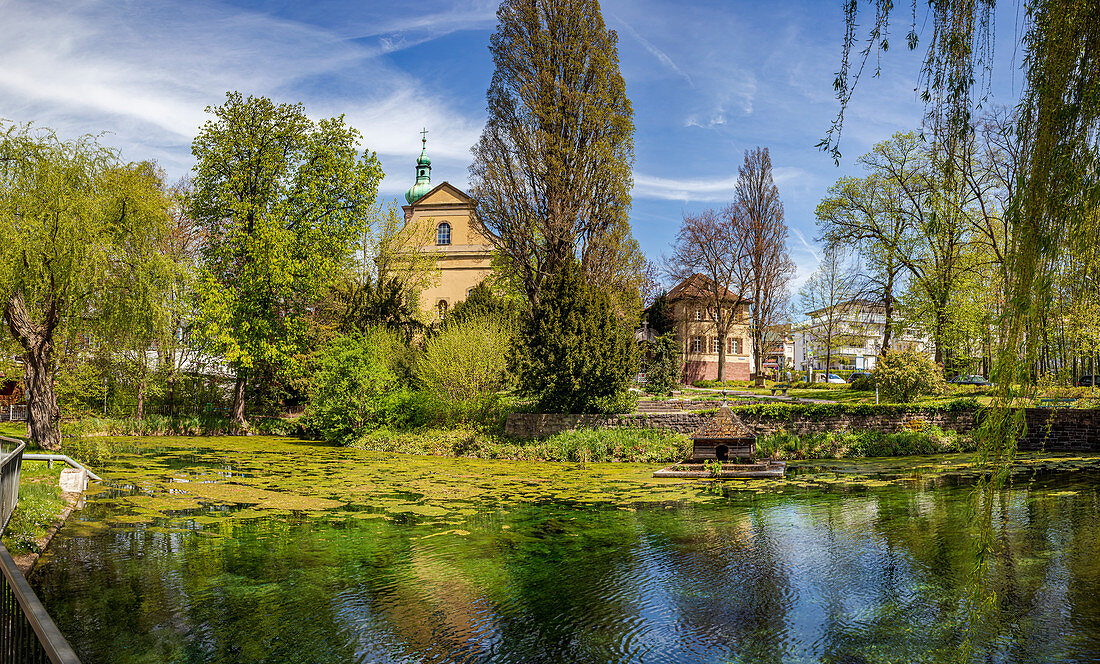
[443, 234]
[715, 345]
[697, 344]
[698, 314]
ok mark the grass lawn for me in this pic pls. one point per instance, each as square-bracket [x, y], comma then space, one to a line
[40, 504]
[13, 429]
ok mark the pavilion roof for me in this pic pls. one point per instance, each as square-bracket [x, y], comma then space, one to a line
[724, 425]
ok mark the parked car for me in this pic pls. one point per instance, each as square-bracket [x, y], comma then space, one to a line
[1088, 381]
[970, 380]
[833, 378]
[857, 376]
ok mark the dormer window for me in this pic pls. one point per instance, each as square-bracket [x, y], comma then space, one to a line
[443, 234]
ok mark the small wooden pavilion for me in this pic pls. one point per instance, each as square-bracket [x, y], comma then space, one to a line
[723, 437]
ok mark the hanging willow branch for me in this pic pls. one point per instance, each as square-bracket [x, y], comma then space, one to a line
[960, 48]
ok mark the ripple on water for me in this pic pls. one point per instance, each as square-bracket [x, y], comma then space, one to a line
[201, 556]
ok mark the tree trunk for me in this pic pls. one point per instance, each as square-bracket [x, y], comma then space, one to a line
[888, 303]
[170, 393]
[722, 361]
[37, 341]
[140, 414]
[238, 398]
[758, 355]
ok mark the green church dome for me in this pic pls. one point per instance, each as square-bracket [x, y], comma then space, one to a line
[423, 173]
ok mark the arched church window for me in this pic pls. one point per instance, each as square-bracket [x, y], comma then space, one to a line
[442, 307]
[443, 234]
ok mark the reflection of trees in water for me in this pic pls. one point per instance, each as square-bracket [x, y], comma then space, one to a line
[240, 592]
[847, 575]
[726, 583]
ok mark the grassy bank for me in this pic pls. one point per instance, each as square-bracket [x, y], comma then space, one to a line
[40, 505]
[858, 444]
[182, 425]
[582, 445]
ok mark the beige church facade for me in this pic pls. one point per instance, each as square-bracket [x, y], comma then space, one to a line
[444, 222]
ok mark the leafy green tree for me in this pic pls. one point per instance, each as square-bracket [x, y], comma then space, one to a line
[573, 352]
[666, 367]
[901, 376]
[78, 231]
[552, 169]
[485, 303]
[281, 200]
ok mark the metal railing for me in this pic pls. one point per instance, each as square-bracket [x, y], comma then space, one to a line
[27, 633]
[10, 466]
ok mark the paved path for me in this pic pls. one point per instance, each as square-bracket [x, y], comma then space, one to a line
[736, 394]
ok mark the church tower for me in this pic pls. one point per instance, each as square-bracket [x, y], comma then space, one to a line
[445, 223]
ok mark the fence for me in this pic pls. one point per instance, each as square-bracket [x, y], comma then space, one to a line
[13, 412]
[27, 633]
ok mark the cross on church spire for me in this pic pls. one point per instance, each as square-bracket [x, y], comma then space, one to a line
[424, 136]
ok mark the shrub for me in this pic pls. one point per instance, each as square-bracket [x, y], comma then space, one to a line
[863, 383]
[666, 367]
[465, 360]
[903, 375]
[352, 386]
[574, 353]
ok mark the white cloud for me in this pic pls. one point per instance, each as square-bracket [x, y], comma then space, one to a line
[709, 189]
[672, 189]
[144, 72]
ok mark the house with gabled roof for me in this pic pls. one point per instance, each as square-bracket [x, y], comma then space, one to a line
[692, 306]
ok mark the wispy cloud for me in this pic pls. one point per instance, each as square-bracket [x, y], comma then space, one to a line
[657, 53]
[672, 189]
[146, 76]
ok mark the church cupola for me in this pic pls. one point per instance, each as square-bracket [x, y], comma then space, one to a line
[423, 173]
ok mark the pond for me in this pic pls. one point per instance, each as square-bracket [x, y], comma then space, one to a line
[276, 550]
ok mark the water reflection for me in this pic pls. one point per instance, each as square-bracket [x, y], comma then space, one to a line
[831, 574]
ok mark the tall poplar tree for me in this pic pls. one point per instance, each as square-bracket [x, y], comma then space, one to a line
[281, 201]
[759, 212]
[552, 170]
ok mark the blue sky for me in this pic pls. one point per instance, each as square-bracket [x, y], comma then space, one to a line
[708, 79]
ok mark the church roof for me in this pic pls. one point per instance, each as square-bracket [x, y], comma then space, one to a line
[723, 426]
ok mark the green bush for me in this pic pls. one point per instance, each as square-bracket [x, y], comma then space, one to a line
[854, 444]
[574, 353]
[864, 383]
[666, 367]
[465, 360]
[580, 446]
[353, 387]
[903, 375]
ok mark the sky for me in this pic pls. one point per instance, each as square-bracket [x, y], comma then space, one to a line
[708, 79]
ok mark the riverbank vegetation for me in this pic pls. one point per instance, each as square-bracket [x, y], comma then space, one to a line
[40, 506]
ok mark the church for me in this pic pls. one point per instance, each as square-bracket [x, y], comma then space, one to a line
[444, 223]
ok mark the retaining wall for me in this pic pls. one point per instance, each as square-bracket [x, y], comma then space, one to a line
[1050, 429]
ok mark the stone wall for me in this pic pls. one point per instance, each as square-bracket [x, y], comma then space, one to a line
[1053, 430]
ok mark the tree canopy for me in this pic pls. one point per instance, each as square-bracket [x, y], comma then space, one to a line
[281, 201]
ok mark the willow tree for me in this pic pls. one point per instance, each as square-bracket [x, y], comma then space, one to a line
[281, 201]
[78, 236]
[552, 169]
[1053, 206]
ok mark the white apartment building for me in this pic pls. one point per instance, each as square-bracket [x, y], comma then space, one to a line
[855, 339]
